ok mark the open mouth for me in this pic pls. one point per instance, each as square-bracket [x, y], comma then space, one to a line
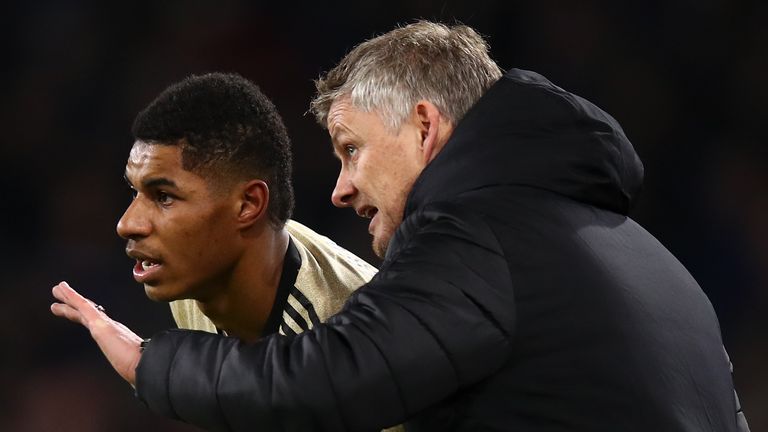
[145, 270]
[367, 212]
[371, 212]
[147, 264]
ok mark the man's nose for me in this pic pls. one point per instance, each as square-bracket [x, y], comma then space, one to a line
[344, 192]
[134, 223]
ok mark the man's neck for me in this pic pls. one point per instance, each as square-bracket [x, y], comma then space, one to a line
[244, 306]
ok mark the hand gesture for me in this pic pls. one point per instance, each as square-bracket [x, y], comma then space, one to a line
[120, 345]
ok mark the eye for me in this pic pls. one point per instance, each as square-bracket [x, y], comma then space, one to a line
[134, 192]
[164, 198]
[350, 150]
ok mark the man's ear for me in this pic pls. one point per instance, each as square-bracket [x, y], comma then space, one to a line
[254, 201]
[434, 127]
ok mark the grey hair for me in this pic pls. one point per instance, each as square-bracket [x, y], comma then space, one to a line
[389, 74]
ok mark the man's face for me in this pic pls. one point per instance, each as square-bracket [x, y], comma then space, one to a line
[183, 236]
[378, 167]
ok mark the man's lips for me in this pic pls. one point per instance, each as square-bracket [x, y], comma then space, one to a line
[145, 270]
[146, 266]
[372, 224]
[368, 212]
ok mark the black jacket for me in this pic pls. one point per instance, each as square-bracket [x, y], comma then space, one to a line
[516, 296]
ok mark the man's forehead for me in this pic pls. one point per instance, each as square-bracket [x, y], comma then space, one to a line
[159, 164]
[143, 151]
[139, 152]
[149, 158]
[338, 115]
[346, 121]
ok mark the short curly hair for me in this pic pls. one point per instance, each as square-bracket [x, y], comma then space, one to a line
[227, 129]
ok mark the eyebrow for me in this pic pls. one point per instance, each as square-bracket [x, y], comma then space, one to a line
[340, 132]
[335, 135]
[153, 182]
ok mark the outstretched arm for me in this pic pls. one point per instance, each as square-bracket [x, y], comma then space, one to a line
[437, 319]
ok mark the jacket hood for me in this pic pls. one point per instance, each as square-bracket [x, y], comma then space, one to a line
[526, 131]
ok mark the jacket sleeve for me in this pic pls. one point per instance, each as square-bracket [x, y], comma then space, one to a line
[437, 318]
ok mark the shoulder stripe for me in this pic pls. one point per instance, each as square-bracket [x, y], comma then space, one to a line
[306, 304]
[286, 331]
[298, 313]
[289, 326]
[291, 311]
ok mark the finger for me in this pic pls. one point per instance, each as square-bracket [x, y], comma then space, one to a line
[66, 311]
[73, 299]
[58, 293]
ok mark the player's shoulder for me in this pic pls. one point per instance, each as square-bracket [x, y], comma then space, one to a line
[326, 251]
[328, 273]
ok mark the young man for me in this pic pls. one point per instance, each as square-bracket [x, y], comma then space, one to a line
[209, 224]
[515, 293]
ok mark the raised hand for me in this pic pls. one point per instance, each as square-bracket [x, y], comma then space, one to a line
[120, 345]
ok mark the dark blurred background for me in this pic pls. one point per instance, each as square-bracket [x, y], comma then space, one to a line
[687, 79]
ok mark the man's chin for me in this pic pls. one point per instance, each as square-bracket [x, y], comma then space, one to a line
[379, 252]
[380, 244]
[156, 293]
